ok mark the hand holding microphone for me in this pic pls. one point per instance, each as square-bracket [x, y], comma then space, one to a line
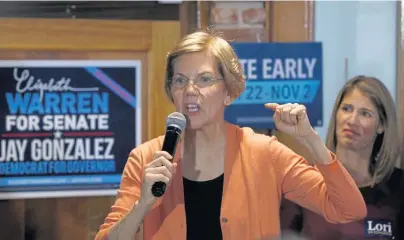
[159, 172]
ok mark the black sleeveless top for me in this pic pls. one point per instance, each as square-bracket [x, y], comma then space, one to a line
[203, 202]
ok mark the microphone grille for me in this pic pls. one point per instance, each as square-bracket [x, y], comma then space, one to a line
[177, 119]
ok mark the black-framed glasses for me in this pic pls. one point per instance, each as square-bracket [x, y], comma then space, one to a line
[202, 81]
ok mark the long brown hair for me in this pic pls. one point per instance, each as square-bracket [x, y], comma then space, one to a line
[386, 148]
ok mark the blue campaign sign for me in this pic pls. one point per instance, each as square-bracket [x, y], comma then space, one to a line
[67, 127]
[279, 73]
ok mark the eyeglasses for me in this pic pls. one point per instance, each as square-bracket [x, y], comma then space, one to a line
[202, 81]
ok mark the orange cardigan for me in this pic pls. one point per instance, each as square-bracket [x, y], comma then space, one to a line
[259, 171]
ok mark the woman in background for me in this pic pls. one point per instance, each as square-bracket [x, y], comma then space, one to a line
[363, 132]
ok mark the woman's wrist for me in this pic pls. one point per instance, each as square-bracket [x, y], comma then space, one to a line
[316, 147]
[310, 139]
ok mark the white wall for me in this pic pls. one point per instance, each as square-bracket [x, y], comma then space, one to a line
[364, 33]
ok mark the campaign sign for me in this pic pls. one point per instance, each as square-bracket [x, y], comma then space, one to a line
[378, 228]
[67, 127]
[278, 73]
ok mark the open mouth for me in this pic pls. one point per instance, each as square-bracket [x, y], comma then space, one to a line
[192, 108]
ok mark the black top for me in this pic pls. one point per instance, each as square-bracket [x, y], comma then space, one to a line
[400, 220]
[386, 192]
[203, 201]
[383, 203]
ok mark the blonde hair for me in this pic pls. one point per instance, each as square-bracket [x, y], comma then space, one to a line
[208, 41]
[386, 148]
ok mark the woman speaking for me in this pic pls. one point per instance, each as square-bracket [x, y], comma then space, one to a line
[225, 182]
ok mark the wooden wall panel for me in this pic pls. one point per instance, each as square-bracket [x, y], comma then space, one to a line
[12, 219]
[160, 106]
[400, 72]
[188, 16]
[75, 34]
[80, 218]
[72, 213]
[98, 208]
[291, 21]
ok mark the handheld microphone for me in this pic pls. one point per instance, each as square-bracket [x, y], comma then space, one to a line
[176, 123]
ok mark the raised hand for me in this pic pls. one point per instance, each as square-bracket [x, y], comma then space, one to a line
[291, 119]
